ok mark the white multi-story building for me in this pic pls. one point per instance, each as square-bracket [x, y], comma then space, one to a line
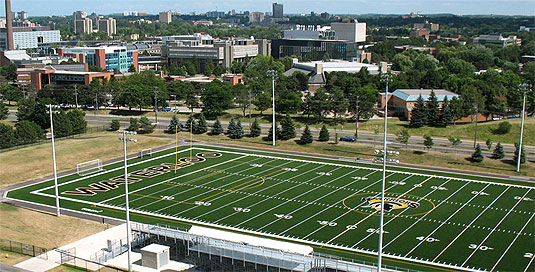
[30, 37]
[351, 31]
[165, 17]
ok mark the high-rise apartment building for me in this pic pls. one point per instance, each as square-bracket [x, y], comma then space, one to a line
[278, 10]
[165, 17]
[23, 15]
[256, 17]
[83, 26]
[108, 25]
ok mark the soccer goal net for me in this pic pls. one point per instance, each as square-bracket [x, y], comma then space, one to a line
[89, 167]
[145, 153]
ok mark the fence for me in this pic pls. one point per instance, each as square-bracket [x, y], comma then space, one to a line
[69, 258]
[25, 249]
[92, 129]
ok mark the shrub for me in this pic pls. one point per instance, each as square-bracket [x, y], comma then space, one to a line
[115, 125]
[503, 128]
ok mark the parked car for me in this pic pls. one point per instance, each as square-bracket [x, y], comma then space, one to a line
[347, 139]
[166, 109]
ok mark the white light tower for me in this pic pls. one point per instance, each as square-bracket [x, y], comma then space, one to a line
[272, 74]
[386, 78]
[50, 107]
[128, 231]
[524, 87]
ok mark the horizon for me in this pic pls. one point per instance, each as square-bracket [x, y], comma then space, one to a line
[339, 7]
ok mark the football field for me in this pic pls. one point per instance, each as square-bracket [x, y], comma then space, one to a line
[432, 219]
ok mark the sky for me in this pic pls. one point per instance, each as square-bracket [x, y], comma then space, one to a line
[459, 7]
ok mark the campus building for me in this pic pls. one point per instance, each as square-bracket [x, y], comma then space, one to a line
[109, 58]
[497, 40]
[402, 101]
[108, 25]
[278, 10]
[29, 37]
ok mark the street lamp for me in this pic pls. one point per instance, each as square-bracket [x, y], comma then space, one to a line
[50, 107]
[272, 74]
[174, 99]
[476, 105]
[156, 103]
[386, 78]
[524, 87]
[128, 231]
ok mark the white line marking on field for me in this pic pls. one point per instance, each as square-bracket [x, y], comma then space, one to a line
[530, 261]
[442, 224]
[470, 224]
[503, 218]
[511, 244]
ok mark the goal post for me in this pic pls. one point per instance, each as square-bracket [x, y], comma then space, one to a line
[145, 153]
[89, 167]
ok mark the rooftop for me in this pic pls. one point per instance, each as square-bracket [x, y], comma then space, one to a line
[411, 95]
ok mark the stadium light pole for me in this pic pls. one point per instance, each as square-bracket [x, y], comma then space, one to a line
[272, 74]
[524, 87]
[128, 230]
[386, 78]
[50, 107]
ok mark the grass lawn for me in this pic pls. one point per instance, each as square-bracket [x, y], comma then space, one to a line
[12, 258]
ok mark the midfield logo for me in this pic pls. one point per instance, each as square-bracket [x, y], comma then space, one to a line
[391, 203]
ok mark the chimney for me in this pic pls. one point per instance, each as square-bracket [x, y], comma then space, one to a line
[9, 25]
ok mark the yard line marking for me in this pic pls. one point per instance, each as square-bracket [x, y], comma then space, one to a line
[397, 215]
[158, 183]
[530, 261]
[290, 188]
[282, 181]
[271, 168]
[208, 190]
[444, 222]
[468, 226]
[511, 244]
[503, 218]
[330, 206]
[304, 206]
[342, 215]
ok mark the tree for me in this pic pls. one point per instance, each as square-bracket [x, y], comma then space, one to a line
[174, 125]
[428, 142]
[7, 136]
[256, 130]
[62, 124]
[269, 137]
[306, 138]
[11, 93]
[477, 156]
[324, 134]
[191, 123]
[287, 128]
[201, 126]
[455, 142]
[27, 132]
[522, 154]
[35, 111]
[237, 130]
[134, 124]
[78, 122]
[216, 128]
[433, 111]
[115, 125]
[3, 111]
[132, 69]
[403, 136]
[446, 113]
[262, 102]
[418, 114]
[503, 128]
[288, 101]
[145, 125]
[489, 143]
[216, 98]
[231, 126]
[498, 153]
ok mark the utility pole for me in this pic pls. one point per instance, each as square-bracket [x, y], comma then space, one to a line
[76, 95]
[249, 106]
[156, 103]
[357, 115]
[524, 87]
[96, 102]
[272, 74]
[476, 105]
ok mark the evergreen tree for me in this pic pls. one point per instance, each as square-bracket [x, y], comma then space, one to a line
[237, 131]
[202, 126]
[498, 152]
[62, 124]
[287, 128]
[174, 125]
[446, 113]
[27, 132]
[256, 130]
[3, 111]
[418, 114]
[522, 155]
[269, 137]
[324, 134]
[306, 138]
[231, 130]
[489, 143]
[433, 111]
[134, 124]
[145, 125]
[428, 142]
[76, 117]
[7, 136]
[477, 156]
[115, 125]
[216, 128]
[191, 123]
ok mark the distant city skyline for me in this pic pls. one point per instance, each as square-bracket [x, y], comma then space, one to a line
[459, 7]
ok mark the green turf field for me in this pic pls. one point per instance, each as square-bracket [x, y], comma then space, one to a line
[442, 219]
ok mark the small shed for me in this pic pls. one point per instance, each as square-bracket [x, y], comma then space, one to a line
[154, 256]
